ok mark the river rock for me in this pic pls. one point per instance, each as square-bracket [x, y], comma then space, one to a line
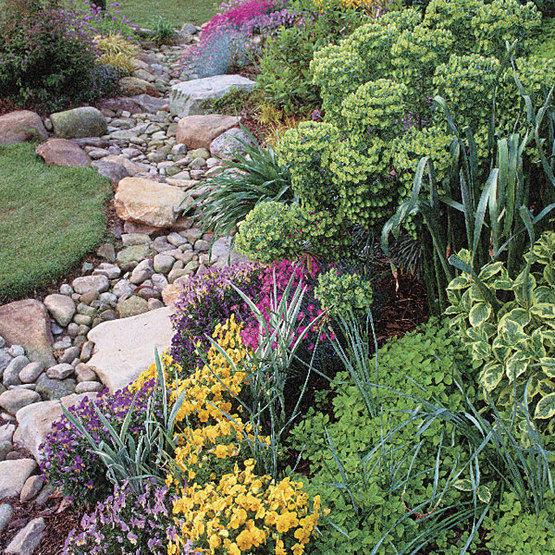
[35, 422]
[61, 307]
[27, 323]
[186, 97]
[79, 122]
[13, 475]
[15, 399]
[87, 284]
[28, 539]
[131, 86]
[199, 131]
[148, 202]
[228, 144]
[62, 152]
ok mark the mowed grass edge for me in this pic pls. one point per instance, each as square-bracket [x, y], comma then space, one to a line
[50, 219]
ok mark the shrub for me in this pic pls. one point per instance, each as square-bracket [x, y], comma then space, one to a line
[285, 76]
[163, 32]
[46, 61]
[104, 21]
[340, 292]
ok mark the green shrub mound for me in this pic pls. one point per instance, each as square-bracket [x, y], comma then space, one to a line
[377, 88]
[51, 218]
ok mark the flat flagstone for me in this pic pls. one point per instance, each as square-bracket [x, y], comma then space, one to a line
[124, 348]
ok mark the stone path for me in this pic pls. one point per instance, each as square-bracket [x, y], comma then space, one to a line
[101, 328]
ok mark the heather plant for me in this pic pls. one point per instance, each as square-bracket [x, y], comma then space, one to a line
[46, 61]
[127, 522]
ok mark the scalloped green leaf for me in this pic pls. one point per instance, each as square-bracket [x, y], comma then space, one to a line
[484, 494]
[548, 366]
[479, 313]
[545, 408]
[544, 310]
[463, 485]
[516, 365]
[490, 270]
[491, 375]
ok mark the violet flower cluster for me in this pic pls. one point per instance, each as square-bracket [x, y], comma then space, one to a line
[67, 459]
[127, 523]
[207, 300]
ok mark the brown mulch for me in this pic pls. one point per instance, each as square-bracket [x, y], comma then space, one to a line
[60, 518]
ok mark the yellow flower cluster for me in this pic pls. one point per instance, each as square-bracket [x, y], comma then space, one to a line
[242, 511]
[222, 505]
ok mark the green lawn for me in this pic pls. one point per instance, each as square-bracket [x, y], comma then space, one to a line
[176, 12]
[50, 218]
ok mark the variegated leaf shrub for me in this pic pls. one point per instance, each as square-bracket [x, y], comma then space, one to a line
[510, 326]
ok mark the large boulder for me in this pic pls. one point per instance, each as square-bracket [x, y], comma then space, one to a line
[28, 538]
[13, 475]
[20, 126]
[186, 97]
[124, 348]
[35, 421]
[132, 86]
[148, 202]
[79, 123]
[27, 323]
[223, 253]
[200, 131]
[63, 152]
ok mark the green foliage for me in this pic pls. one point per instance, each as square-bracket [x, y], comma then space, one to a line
[377, 87]
[162, 29]
[500, 21]
[254, 177]
[364, 496]
[44, 62]
[544, 44]
[512, 530]
[267, 234]
[284, 65]
[51, 217]
[340, 292]
[510, 326]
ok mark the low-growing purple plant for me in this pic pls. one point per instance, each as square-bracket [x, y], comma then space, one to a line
[67, 459]
[127, 523]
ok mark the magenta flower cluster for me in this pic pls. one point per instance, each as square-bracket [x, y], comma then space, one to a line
[210, 298]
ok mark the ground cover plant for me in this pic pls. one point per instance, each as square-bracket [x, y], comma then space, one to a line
[51, 217]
